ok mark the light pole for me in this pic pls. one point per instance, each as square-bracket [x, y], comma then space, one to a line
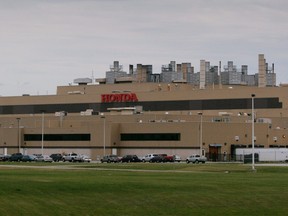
[253, 157]
[42, 133]
[18, 133]
[5, 149]
[104, 135]
[201, 133]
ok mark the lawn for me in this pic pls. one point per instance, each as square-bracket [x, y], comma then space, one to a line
[143, 189]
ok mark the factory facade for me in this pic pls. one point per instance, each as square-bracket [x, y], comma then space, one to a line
[140, 112]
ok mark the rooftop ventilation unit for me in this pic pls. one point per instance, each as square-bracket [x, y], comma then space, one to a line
[82, 81]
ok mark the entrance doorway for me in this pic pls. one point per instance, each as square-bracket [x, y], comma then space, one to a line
[215, 152]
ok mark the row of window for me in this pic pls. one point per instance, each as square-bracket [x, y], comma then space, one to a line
[151, 137]
[212, 104]
[87, 137]
[57, 137]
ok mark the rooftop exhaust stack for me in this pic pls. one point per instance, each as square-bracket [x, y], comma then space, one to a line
[261, 71]
[202, 74]
[173, 66]
[116, 65]
[219, 73]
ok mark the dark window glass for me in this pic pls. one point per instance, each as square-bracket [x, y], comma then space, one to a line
[210, 104]
[57, 137]
[150, 137]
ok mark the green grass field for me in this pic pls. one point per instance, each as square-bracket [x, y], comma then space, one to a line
[142, 189]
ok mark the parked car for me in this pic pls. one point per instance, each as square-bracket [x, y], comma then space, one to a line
[148, 157]
[86, 158]
[162, 158]
[56, 157]
[157, 159]
[196, 159]
[37, 155]
[168, 158]
[16, 157]
[130, 158]
[44, 158]
[4, 157]
[177, 158]
[28, 158]
[110, 159]
[72, 157]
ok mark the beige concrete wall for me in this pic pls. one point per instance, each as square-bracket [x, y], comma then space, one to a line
[187, 125]
[189, 128]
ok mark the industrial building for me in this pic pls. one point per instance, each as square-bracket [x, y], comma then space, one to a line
[176, 111]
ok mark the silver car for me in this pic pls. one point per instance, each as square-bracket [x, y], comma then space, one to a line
[44, 158]
[110, 159]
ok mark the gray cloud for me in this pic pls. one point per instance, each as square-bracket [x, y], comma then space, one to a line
[49, 43]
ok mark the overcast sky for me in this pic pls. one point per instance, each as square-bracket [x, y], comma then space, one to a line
[47, 43]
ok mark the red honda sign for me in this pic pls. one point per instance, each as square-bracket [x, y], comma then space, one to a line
[109, 98]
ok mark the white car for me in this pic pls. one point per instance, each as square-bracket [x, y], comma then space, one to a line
[72, 157]
[176, 158]
[148, 157]
[86, 158]
[196, 159]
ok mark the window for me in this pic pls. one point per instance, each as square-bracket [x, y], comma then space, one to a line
[57, 137]
[150, 137]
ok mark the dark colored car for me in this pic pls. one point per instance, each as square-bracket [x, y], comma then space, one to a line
[16, 157]
[56, 157]
[5, 157]
[159, 158]
[168, 158]
[130, 158]
[28, 158]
